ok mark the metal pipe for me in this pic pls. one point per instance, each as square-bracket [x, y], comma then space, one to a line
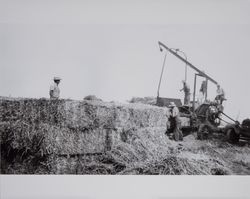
[178, 50]
[206, 89]
[186, 73]
[228, 117]
[162, 70]
[194, 91]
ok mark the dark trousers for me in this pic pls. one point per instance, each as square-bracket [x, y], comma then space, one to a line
[175, 128]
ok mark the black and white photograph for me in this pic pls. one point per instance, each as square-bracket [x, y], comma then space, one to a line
[126, 89]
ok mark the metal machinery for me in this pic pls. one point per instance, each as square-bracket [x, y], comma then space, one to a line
[236, 131]
[203, 118]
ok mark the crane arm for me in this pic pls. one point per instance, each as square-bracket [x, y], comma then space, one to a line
[188, 63]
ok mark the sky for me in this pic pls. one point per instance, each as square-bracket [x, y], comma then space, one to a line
[110, 49]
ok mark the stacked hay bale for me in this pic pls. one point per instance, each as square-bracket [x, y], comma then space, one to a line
[144, 100]
[56, 136]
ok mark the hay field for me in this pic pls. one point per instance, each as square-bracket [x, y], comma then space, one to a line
[40, 136]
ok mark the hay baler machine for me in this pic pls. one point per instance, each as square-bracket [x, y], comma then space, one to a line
[206, 120]
[203, 117]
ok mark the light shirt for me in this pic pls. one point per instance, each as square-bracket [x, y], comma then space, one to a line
[175, 112]
[203, 87]
[55, 91]
[220, 91]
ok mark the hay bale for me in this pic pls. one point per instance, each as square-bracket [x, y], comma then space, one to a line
[143, 100]
[92, 97]
[33, 111]
[35, 128]
[64, 141]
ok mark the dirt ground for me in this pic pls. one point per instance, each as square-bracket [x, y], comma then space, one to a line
[189, 157]
[218, 156]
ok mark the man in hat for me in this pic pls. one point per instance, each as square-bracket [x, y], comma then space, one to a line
[220, 97]
[54, 90]
[175, 122]
[186, 90]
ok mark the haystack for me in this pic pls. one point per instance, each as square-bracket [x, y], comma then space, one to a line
[66, 128]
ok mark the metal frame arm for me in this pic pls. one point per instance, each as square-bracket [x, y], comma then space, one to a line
[188, 63]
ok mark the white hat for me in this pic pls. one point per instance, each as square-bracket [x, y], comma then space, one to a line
[57, 78]
[172, 104]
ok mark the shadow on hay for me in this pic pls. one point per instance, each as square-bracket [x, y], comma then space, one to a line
[21, 157]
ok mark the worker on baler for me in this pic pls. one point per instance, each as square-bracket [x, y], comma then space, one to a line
[203, 90]
[220, 97]
[186, 90]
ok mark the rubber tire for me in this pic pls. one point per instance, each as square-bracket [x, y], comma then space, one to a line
[232, 137]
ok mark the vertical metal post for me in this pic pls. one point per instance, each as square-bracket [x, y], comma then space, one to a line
[194, 91]
[186, 73]
[162, 70]
[206, 89]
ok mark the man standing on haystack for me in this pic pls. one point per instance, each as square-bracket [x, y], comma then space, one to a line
[175, 122]
[54, 90]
